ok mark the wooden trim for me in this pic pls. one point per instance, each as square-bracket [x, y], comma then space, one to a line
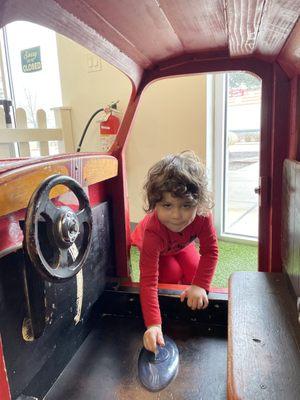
[96, 170]
[18, 184]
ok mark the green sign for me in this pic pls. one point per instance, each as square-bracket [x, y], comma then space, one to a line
[31, 59]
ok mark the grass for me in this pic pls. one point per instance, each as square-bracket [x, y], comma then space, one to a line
[233, 257]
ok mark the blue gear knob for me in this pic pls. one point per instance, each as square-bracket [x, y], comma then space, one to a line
[156, 371]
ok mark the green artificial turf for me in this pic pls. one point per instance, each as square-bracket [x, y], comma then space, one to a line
[232, 257]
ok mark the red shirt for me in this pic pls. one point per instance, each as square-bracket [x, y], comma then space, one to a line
[154, 239]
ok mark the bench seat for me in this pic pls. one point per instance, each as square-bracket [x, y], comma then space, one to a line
[263, 338]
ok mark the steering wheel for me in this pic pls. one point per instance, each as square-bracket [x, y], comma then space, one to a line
[57, 240]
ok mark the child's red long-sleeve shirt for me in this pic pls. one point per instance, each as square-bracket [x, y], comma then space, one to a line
[154, 239]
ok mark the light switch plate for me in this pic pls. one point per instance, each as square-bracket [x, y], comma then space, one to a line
[93, 63]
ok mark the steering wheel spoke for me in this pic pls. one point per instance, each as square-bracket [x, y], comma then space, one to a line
[63, 258]
[83, 216]
[50, 210]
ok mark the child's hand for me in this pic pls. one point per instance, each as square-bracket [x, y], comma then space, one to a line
[152, 337]
[196, 297]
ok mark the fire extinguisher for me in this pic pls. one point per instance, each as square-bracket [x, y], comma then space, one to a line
[111, 122]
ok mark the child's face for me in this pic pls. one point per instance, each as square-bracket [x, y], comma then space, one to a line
[175, 213]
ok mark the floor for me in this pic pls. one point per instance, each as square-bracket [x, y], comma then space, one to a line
[105, 367]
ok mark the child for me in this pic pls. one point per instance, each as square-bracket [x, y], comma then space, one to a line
[177, 214]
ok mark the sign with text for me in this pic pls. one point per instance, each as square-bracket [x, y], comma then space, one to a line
[31, 59]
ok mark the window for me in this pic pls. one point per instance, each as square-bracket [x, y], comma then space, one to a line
[238, 104]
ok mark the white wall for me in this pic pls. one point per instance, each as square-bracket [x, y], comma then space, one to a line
[171, 118]
[85, 91]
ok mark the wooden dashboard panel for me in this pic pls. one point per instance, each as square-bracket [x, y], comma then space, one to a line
[18, 181]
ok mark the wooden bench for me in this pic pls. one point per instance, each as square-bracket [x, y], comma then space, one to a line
[263, 338]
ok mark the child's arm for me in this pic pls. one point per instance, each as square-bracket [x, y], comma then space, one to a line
[196, 294]
[149, 290]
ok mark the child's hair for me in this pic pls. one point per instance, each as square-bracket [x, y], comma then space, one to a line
[183, 175]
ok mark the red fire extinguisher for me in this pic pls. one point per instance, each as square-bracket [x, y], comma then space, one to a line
[110, 123]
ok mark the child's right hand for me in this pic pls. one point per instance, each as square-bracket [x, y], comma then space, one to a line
[152, 337]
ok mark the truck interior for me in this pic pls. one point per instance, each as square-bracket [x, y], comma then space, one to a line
[71, 326]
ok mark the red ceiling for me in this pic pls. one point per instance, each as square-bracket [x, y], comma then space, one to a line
[135, 35]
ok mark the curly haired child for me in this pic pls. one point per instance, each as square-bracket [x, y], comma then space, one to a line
[178, 212]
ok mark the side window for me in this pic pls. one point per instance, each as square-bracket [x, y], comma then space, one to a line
[54, 83]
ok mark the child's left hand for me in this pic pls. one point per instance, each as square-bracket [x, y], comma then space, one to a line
[196, 297]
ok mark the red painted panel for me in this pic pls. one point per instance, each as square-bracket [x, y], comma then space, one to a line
[280, 152]
[143, 24]
[92, 15]
[97, 193]
[117, 190]
[297, 116]
[294, 119]
[134, 35]
[243, 19]
[132, 26]
[122, 137]
[289, 58]
[4, 386]
[279, 18]
[118, 194]
[200, 25]
[265, 228]
[10, 231]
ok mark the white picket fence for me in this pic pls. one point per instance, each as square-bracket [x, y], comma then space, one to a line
[39, 137]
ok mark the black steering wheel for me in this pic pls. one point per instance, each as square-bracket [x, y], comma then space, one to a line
[57, 240]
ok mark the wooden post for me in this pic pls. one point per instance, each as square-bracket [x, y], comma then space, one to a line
[63, 121]
[21, 122]
[42, 123]
[6, 149]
